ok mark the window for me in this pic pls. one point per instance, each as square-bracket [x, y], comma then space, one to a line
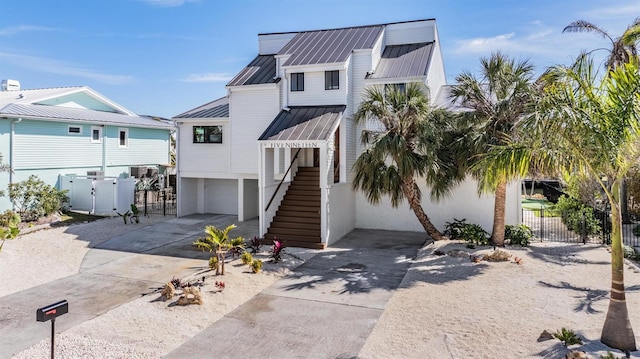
[397, 87]
[207, 134]
[96, 134]
[297, 81]
[75, 130]
[123, 137]
[332, 80]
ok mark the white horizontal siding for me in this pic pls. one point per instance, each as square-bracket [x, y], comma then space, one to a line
[250, 111]
[361, 63]
[48, 145]
[410, 32]
[221, 196]
[436, 78]
[272, 43]
[314, 93]
[205, 158]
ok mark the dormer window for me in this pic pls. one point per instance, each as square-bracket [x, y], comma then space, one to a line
[297, 81]
[332, 80]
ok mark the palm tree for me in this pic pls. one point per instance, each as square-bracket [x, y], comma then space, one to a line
[623, 48]
[404, 149]
[596, 131]
[496, 101]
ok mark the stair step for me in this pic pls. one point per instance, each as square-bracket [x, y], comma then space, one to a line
[301, 203]
[296, 208]
[296, 242]
[304, 192]
[301, 197]
[297, 214]
[283, 232]
[297, 219]
[295, 225]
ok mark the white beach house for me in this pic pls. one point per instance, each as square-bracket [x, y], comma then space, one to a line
[280, 146]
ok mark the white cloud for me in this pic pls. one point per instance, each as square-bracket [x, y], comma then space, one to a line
[613, 12]
[168, 3]
[207, 77]
[63, 68]
[12, 30]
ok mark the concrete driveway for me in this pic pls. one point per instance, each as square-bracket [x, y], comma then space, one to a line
[326, 309]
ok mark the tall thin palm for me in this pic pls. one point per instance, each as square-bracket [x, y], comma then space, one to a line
[502, 96]
[404, 149]
[623, 48]
[596, 130]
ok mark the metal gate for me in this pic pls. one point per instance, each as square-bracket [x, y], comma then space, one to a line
[158, 201]
[550, 225]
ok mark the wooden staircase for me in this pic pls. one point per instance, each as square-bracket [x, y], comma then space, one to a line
[297, 220]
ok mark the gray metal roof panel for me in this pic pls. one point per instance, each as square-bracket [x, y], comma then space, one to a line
[303, 123]
[407, 60]
[215, 109]
[329, 46]
[262, 70]
[59, 113]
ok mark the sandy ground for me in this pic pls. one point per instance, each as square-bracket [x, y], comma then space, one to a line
[446, 307]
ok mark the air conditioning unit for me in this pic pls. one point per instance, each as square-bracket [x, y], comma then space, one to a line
[95, 174]
[138, 171]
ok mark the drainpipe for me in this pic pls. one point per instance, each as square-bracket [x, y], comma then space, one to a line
[104, 150]
[178, 180]
[11, 146]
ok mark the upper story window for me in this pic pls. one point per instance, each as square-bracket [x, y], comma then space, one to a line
[96, 134]
[207, 134]
[332, 80]
[123, 137]
[297, 81]
[398, 87]
[74, 130]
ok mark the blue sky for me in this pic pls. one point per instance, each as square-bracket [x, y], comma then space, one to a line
[163, 57]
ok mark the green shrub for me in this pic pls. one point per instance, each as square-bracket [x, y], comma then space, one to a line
[213, 262]
[9, 221]
[609, 356]
[246, 258]
[34, 199]
[256, 266]
[567, 337]
[520, 234]
[629, 252]
[573, 214]
[469, 232]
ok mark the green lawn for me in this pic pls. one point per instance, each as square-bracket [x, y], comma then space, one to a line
[536, 204]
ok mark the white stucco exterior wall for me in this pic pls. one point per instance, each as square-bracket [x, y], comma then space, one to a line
[464, 203]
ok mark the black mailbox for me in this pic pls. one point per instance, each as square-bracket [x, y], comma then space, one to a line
[52, 311]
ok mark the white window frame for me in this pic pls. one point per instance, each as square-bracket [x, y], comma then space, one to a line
[99, 129]
[74, 133]
[126, 137]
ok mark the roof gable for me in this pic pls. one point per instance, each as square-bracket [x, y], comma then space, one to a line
[73, 97]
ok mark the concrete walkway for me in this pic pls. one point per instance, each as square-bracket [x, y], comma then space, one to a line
[326, 309]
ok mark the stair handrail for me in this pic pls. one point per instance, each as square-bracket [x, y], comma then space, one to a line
[282, 180]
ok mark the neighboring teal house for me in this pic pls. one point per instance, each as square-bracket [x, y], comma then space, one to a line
[74, 130]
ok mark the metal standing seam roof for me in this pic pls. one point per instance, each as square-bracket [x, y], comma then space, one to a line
[59, 113]
[262, 70]
[215, 109]
[406, 60]
[329, 46]
[303, 123]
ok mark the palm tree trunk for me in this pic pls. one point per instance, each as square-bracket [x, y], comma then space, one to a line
[617, 331]
[410, 190]
[497, 233]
